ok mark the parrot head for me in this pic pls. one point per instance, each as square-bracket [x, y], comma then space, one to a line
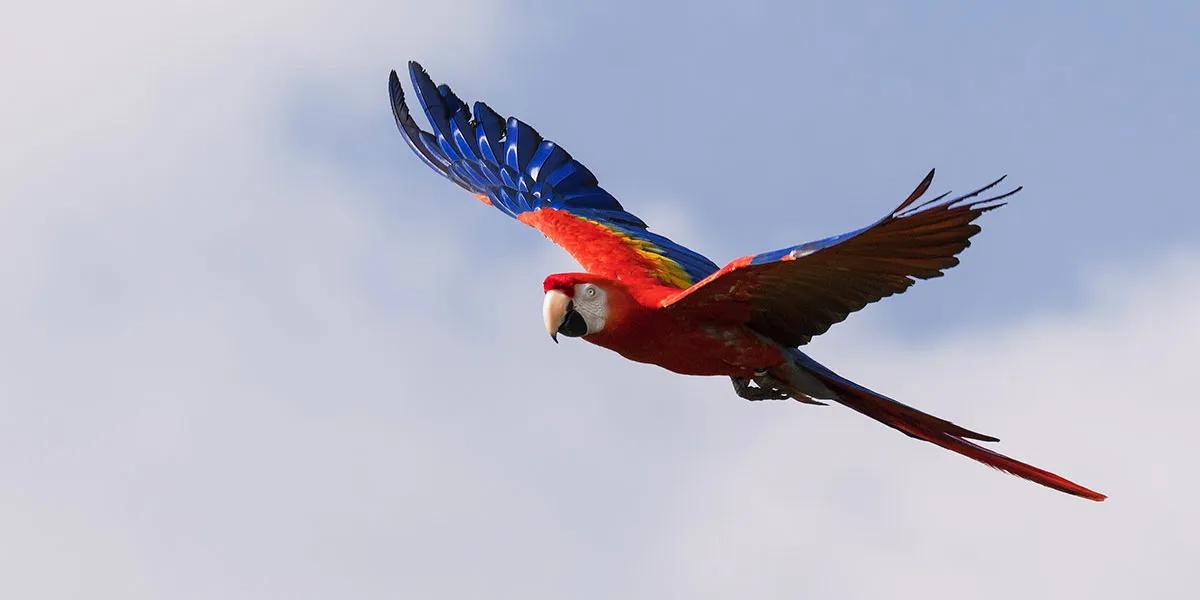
[576, 304]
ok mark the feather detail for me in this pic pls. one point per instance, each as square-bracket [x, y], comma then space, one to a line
[795, 293]
[926, 427]
[507, 164]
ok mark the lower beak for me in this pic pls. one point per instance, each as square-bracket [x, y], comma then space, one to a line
[554, 311]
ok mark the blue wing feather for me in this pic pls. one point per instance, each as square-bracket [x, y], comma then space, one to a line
[549, 156]
[463, 132]
[489, 129]
[807, 248]
[518, 171]
[521, 141]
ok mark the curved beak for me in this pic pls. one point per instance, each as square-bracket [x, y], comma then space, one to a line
[554, 312]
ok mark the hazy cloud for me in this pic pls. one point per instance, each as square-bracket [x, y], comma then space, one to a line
[245, 356]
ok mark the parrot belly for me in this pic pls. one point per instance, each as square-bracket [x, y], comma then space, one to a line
[694, 349]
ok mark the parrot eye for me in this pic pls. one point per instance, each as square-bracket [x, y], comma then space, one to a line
[590, 291]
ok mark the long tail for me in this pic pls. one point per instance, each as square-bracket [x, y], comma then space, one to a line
[929, 428]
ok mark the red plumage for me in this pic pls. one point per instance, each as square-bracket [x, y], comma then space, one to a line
[600, 249]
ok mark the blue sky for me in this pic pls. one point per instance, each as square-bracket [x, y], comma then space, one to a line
[767, 125]
[254, 348]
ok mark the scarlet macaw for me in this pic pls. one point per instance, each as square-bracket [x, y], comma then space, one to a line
[654, 301]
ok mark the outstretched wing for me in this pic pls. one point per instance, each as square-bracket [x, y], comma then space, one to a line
[795, 293]
[507, 165]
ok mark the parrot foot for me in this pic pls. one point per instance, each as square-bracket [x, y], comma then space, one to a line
[765, 389]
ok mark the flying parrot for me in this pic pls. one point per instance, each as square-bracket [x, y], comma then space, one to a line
[654, 301]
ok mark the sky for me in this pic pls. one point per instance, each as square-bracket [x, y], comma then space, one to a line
[253, 348]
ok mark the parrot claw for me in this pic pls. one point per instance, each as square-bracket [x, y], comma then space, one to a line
[765, 389]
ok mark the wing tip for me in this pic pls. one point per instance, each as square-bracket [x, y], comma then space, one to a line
[396, 93]
[917, 192]
[907, 208]
[417, 73]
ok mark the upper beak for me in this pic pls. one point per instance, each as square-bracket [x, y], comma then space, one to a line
[554, 311]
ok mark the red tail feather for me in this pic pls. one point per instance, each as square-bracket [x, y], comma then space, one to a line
[943, 433]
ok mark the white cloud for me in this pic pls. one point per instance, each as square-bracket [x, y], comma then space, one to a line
[233, 370]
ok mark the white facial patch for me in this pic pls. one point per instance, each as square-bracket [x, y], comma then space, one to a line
[591, 302]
